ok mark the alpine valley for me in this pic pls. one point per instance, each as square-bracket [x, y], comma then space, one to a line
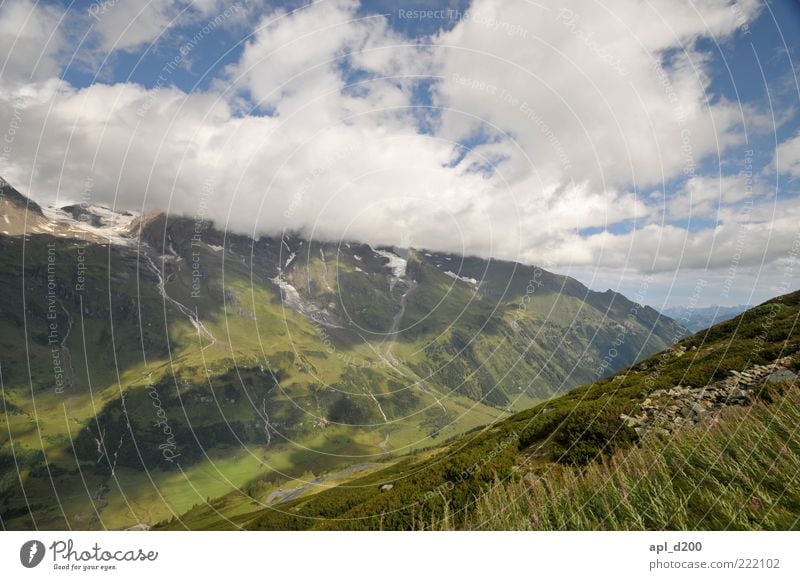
[152, 362]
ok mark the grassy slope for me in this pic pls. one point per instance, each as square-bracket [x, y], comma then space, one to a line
[742, 473]
[572, 430]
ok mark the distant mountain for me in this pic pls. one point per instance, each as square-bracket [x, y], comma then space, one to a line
[696, 319]
[142, 351]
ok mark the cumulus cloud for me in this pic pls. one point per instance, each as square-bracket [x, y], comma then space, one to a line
[30, 41]
[543, 129]
[710, 197]
[787, 157]
[614, 94]
[127, 25]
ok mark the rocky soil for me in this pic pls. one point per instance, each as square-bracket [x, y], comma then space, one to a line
[666, 410]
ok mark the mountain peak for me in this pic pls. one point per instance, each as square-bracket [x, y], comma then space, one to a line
[20, 214]
[10, 195]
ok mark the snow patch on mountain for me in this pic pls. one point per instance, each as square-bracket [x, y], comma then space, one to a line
[96, 220]
[472, 281]
[289, 294]
[396, 264]
[292, 299]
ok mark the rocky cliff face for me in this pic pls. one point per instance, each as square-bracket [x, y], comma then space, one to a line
[667, 410]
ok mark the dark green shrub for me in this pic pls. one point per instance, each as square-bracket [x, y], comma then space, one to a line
[586, 434]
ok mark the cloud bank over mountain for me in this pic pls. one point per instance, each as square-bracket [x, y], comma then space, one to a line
[557, 133]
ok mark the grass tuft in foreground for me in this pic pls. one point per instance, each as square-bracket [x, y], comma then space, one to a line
[741, 473]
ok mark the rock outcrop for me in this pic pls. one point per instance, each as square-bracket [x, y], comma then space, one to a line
[667, 410]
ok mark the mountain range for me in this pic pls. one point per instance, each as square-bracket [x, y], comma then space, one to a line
[697, 318]
[151, 361]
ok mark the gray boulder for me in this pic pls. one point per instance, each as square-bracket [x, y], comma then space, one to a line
[781, 376]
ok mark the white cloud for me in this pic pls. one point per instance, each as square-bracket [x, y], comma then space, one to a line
[126, 26]
[130, 26]
[296, 59]
[709, 197]
[617, 91]
[30, 41]
[751, 235]
[578, 115]
[787, 157]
